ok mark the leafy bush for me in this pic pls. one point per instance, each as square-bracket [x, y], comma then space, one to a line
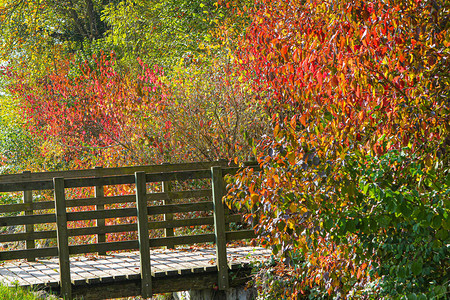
[400, 213]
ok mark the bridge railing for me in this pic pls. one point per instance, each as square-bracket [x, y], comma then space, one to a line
[59, 212]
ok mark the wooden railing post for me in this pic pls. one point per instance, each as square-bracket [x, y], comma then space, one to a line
[63, 239]
[144, 241]
[218, 191]
[168, 232]
[99, 194]
[29, 228]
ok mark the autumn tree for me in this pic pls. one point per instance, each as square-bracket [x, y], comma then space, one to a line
[358, 97]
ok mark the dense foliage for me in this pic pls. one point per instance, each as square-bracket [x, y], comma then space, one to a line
[345, 104]
[355, 186]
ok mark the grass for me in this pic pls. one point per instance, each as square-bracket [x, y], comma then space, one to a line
[16, 293]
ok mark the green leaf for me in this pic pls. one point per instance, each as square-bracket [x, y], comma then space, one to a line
[412, 296]
[436, 222]
[442, 234]
[416, 267]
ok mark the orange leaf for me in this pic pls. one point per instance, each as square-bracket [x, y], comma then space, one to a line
[293, 121]
[303, 120]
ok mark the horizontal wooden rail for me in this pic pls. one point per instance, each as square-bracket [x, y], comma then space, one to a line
[179, 208]
[23, 220]
[20, 254]
[49, 234]
[59, 213]
[10, 208]
[124, 245]
[102, 172]
[47, 184]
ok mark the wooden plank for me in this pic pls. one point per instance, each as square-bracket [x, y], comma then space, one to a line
[178, 176]
[19, 254]
[182, 240]
[109, 180]
[80, 276]
[113, 270]
[161, 285]
[8, 208]
[29, 228]
[26, 186]
[84, 273]
[144, 246]
[24, 220]
[118, 228]
[129, 179]
[99, 195]
[132, 198]
[129, 267]
[240, 235]
[110, 171]
[72, 232]
[23, 278]
[191, 222]
[105, 213]
[49, 273]
[24, 236]
[111, 246]
[101, 201]
[103, 230]
[121, 270]
[40, 278]
[219, 227]
[166, 186]
[178, 208]
[17, 183]
[63, 241]
[93, 267]
[181, 223]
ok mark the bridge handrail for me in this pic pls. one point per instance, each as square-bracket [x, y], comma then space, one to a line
[101, 177]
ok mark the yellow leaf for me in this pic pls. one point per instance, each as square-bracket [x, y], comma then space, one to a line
[303, 209]
[293, 207]
[291, 158]
[254, 198]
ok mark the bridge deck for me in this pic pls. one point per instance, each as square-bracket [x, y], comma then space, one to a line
[124, 266]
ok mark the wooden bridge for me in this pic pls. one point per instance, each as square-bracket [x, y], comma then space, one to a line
[86, 246]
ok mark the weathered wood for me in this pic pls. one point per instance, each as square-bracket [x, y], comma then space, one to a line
[131, 288]
[99, 195]
[122, 228]
[43, 180]
[107, 180]
[240, 235]
[63, 241]
[109, 246]
[219, 227]
[144, 247]
[29, 228]
[89, 271]
[103, 230]
[178, 208]
[19, 254]
[26, 186]
[127, 212]
[166, 186]
[220, 219]
[8, 178]
[182, 240]
[50, 234]
[190, 222]
[24, 220]
[106, 214]
[8, 208]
